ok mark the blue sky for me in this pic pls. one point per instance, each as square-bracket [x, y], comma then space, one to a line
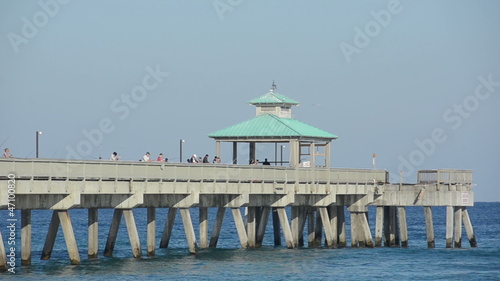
[417, 82]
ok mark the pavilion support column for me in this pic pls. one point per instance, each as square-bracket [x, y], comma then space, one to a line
[312, 154]
[217, 148]
[327, 155]
[251, 155]
[235, 152]
[294, 153]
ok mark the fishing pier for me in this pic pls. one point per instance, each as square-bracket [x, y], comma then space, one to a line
[306, 192]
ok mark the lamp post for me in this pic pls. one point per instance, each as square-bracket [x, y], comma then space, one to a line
[181, 141]
[38, 133]
[281, 161]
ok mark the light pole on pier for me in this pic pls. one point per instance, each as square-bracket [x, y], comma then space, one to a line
[38, 133]
[281, 161]
[181, 141]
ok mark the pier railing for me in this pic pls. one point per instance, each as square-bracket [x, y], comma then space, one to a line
[445, 177]
[75, 170]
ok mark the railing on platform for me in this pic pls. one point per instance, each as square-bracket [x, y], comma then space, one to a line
[53, 169]
[445, 177]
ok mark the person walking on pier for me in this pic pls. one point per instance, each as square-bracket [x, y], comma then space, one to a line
[114, 156]
[6, 153]
[205, 159]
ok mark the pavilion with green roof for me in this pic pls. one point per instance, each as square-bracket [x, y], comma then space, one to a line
[274, 124]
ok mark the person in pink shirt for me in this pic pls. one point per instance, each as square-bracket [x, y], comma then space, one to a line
[160, 158]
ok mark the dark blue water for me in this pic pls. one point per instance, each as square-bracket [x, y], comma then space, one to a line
[229, 262]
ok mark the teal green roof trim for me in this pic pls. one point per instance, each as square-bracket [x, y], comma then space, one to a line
[271, 126]
[273, 98]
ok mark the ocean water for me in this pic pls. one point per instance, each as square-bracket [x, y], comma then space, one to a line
[230, 262]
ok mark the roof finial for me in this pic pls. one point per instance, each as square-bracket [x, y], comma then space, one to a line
[273, 87]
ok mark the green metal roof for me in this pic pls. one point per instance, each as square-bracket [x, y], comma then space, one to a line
[273, 98]
[271, 126]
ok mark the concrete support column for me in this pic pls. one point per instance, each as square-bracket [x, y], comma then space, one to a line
[251, 227]
[217, 227]
[203, 227]
[429, 225]
[310, 228]
[403, 227]
[151, 231]
[264, 217]
[325, 219]
[133, 234]
[240, 227]
[3, 255]
[354, 231]
[51, 236]
[342, 228]
[287, 232]
[169, 226]
[458, 227]
[276, 227]
[113, 231]
[69, 236]
[93, 233]
[26, 237]
[468, 228]
[334, 224]
[189, 230]
[318, 229]
[379, 223]
[449, 227]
